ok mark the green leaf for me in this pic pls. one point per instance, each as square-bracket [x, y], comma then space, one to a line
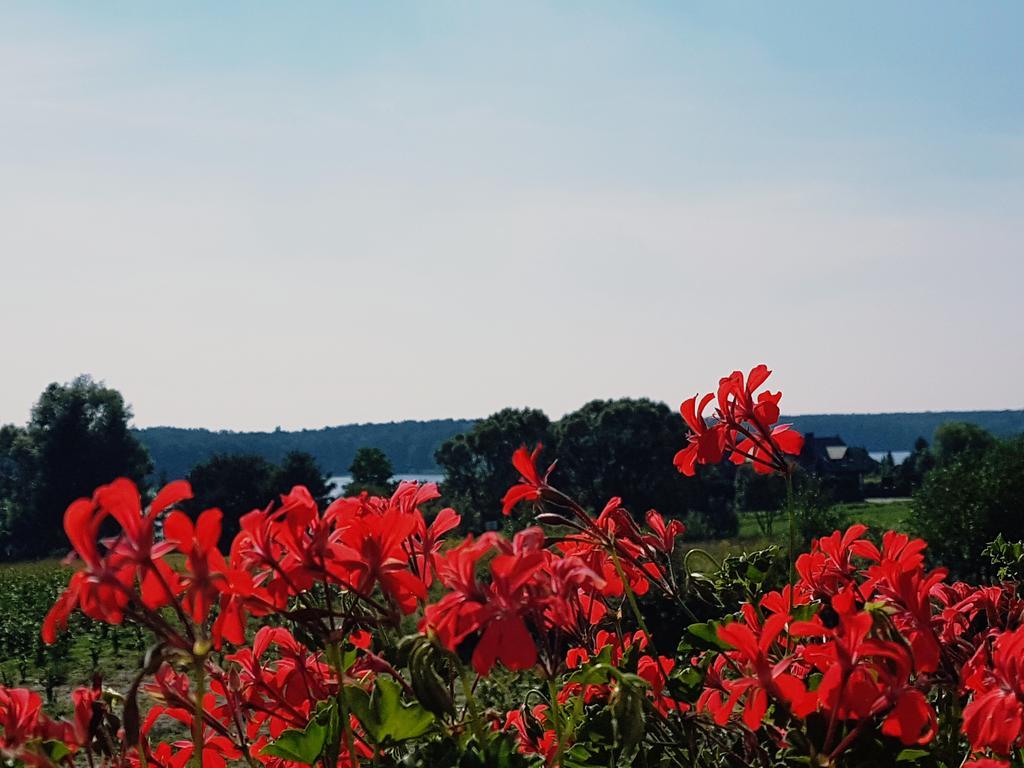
[56, 750]
[911, 755]
[707, 634]
[594, 674]
[302, 746]
[386, 718]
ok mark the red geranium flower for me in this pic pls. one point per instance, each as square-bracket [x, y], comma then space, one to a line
[529, 489]
[994, 718]
[745, 426]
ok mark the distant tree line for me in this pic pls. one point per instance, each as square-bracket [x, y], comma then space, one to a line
[409, 445]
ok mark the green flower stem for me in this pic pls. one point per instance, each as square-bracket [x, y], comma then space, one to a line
[334, 657]
[474, 713]
[198, 716]
[556, 718]
[635, 607]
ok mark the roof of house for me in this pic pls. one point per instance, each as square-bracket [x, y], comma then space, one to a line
[830, 453]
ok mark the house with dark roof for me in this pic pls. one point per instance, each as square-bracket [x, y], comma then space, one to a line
[840, 466]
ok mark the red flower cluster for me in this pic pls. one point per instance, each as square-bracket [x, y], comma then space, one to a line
[745, 426]
[372, 559]
[531, 595]
[884, 634]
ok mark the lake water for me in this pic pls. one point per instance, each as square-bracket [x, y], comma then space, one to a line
[339, 481]
[897, 456]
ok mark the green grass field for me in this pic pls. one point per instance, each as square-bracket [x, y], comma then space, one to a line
[878, 517]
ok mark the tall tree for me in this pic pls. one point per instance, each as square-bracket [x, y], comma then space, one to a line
[235, 484]
[963, 505]
[912, 470]
[622, 448]
[77, 438]
[371, 471]
[301, 468]
[477, 465]
[960, 440]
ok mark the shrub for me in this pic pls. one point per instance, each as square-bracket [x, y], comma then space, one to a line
[814, 513]
[963, 505]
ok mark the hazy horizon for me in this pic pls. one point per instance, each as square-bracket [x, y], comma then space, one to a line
[249, 216]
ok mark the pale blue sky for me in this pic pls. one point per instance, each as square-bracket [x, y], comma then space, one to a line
[246, 215]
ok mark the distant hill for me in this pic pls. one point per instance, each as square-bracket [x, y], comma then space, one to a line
[898, 431]
[411, 444]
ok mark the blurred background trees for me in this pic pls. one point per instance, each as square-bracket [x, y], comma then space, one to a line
[371, 472]
[77, 438]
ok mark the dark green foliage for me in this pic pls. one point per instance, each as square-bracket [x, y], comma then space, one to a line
[409, 444]
[910, 474]
[622, 448]
[371, 471]
[886, 483]
[233, 483]
[1007, 558]
[239, 483]
[964, 505]
[960, 440]
[607, 448]
[478, 467]
[762, 495]
[710, 495]
[76, 439]
[814, 512]
[301, 468]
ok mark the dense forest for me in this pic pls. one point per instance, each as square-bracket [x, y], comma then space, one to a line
[410, 445]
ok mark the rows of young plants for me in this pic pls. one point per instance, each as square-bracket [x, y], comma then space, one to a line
[369, 633]
[27, 592]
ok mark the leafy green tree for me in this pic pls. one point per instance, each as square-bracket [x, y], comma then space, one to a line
[301, 468]
[234, 483]
[17, 470]
[477, 465]
[371, 471]
[959, 440]
[711, 503]
[911, 472]
[964, 505]
[814, 512]
[887, 473]
[763, 496]
[622, 448]
[77, 438]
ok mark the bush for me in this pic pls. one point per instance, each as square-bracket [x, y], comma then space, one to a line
[814, 513]
[963, 505]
